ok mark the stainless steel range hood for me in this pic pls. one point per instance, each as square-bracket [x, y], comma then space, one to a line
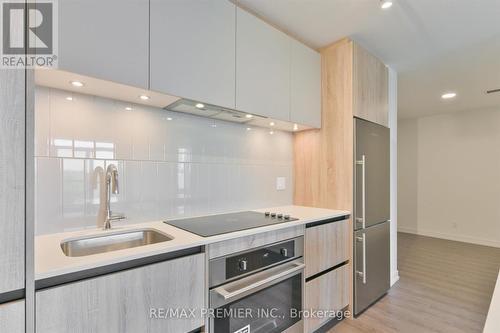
[211, 111]
[198, 108]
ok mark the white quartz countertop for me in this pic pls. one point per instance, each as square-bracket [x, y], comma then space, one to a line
[50, 261]
[493, 319]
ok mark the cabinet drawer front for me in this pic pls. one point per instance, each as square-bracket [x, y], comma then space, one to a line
[126, 301]
[326, 246]
[327, 292]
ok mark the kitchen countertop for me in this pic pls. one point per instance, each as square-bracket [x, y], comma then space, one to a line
[492, 324]
[50, 261]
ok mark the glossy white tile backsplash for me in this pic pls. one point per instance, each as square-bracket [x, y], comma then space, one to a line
[170, 164]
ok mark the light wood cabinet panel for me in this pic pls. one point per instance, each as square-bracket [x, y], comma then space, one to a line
[370, 87]
[262, 68]
[193, 49]
[323, 158]
[329, 292]
[354, 83]
[327, 245]
[12, 317]
[12, 175]
[122, 301]
[305, 85]
[106, 39]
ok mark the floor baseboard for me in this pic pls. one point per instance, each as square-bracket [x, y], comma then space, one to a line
[458, 238]
[394, 277]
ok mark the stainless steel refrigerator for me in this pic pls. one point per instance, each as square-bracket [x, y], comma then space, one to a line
[371, 213]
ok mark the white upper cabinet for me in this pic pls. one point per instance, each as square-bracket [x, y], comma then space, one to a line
[193, 49]
[305, 85]
[205, 50]
[262, 68]
[106, 39]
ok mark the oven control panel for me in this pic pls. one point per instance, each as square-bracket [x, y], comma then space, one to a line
[259, 258]
[233, 266]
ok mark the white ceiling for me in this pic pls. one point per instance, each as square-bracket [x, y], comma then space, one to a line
[435, 45]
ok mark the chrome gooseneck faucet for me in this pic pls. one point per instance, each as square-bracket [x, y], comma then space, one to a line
[111, 182]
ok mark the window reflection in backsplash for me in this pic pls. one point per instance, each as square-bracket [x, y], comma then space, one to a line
[104, 150]
[83, 149]
[170, 165]
[63, 147]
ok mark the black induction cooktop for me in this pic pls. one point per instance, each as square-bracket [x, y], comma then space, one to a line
[212, 225]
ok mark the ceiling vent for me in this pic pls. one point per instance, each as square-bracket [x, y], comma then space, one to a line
[492, 91]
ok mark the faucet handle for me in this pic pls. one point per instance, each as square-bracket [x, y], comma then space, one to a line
[117, 217]
[112, 218]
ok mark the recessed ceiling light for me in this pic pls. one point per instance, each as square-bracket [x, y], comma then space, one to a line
[295, 127]
[169, 118]
[249, 128]
[449, 95]
[128, 108]
[385, 4]
[69, 98]
[271, 123]
[271, 132]
[144, 97]
[76, 84]
[249, 116]
[200, 105]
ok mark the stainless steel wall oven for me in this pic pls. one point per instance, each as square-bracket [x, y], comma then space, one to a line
[259, 290]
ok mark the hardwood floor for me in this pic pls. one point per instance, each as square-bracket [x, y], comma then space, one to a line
[444, 286]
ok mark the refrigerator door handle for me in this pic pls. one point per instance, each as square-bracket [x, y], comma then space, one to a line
[362, 273]
[362, 162]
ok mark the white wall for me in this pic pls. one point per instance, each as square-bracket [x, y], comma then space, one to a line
[168, 168]
[449, 176]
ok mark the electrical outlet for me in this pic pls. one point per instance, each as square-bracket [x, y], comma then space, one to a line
[280, 183]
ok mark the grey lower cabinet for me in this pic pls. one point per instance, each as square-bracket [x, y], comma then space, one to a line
[134, 300]
[106, 39]
[12, 317]
[12, 181]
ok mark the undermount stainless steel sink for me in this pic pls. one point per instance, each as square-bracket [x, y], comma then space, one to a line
[112, 242]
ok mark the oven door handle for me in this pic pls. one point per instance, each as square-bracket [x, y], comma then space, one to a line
[258, 284]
